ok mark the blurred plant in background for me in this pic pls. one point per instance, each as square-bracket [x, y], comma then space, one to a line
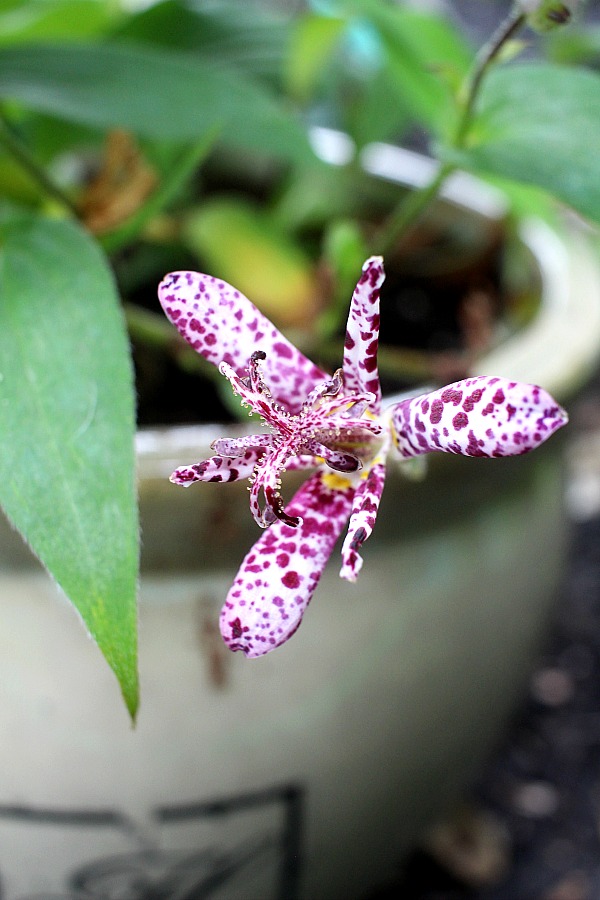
[134, 142]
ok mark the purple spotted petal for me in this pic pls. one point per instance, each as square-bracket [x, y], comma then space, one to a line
[223, 325]
[266, 503]
[362, 520]
[362, 333]
[279, 575]
[480, 416]
[218, 469]
[238, 446]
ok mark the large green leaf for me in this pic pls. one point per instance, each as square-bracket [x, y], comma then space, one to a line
[539, 124]
[67, 426]
[239, 36]
[151, 91]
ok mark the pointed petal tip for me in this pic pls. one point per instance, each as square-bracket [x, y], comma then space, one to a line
[373, 271]
[250, 639]
[182, 477]
[373, 261]
[479, 416]
[350, 570]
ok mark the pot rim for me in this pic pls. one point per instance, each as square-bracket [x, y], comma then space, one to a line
[558, 349]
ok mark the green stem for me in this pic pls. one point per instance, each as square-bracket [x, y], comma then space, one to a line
[411, 207]
[487, 54]
[19, 151]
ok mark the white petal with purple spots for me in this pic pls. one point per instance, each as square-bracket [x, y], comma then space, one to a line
[480, 416]
[223, 325]
[217, 469]
[362, 333]
[365, 507]
[278, 577]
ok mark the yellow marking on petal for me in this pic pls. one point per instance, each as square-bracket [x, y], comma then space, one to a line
[394, 433]
[336, 482]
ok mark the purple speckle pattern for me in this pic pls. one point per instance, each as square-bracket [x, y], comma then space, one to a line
[278, 577]
[218, 469]
[480, 416]
[365, 506]
[331, 423]
[221, 324]
[362, 333]
[320, 431]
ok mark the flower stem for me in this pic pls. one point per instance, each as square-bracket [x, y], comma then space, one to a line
[19, 151]
[411, 207]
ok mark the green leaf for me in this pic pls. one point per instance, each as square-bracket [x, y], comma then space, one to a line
[67, 426]
[539, 124]
[153, 92]
[571, 46]
[344, 250]
[240, 36]
[425, 57]
[237, 238]
[310, 49]
[41, 20]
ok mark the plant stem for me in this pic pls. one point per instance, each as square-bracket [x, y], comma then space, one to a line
[19, 151]
[412, 206]
[487, 54]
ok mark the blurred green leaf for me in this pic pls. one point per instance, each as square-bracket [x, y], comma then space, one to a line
[41, 20]
[344, 251]
[67, 425]
[426, 58]
[237, 239]
[377, 115]
[539, 124]
[153, 92]
[235, 35]
[311, 44]
[572, 46]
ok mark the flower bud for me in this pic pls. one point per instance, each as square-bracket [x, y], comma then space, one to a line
[545, 15]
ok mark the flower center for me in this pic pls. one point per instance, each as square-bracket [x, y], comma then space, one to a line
[329, 428]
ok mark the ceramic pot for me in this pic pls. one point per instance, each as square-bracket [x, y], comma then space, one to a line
[309, 772]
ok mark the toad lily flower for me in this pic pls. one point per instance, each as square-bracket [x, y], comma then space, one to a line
[333, 424]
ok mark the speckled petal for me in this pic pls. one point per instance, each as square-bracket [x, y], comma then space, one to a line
[218, 469]
[238, 446]
[266, 484]
[279, 575]
[362, 333]
[481, 416]
[221, 324]
[335, 459]
[364, 512]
